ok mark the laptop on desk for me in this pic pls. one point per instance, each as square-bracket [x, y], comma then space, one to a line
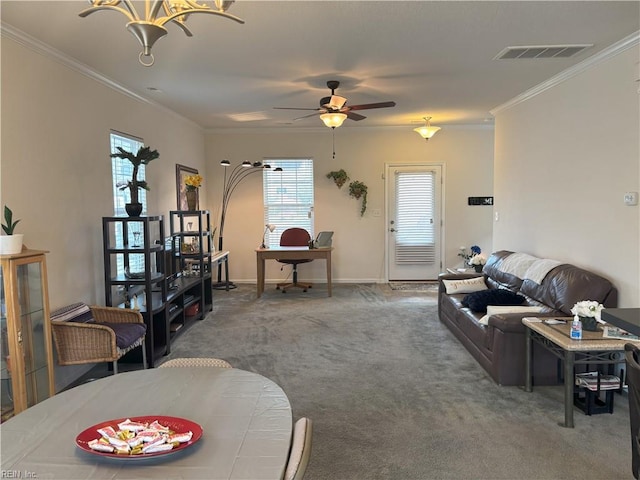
[323, 240]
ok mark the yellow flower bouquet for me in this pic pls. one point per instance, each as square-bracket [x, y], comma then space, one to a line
[193, 182]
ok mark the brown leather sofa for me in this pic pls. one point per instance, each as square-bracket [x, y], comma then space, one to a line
[499, 346]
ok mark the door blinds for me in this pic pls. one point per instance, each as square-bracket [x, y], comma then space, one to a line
[415, 229]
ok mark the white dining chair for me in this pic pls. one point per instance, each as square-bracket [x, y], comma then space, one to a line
[196, 362]
[300, 450]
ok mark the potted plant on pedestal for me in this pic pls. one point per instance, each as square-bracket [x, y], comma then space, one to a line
[11, 242]
[143, 157]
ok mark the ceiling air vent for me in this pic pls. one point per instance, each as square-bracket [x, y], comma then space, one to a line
[541, 51]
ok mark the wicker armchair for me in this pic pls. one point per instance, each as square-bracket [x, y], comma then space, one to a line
[91, 334]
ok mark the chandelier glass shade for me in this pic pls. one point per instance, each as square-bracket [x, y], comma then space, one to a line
[333, 119]
[426, 131]
[148, 29]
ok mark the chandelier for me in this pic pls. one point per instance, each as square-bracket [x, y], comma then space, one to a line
[426, 131]
[150, 28]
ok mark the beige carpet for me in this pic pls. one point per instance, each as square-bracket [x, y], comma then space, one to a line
[430, 286]
[393, 395]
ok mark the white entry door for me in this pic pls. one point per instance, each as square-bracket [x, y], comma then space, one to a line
[414, 221]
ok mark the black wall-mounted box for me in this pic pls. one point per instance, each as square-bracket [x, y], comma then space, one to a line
[480, 200]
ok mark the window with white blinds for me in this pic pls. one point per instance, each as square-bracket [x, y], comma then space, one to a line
[122, 170]
[121, 173]
[288, 197]
[415, 229]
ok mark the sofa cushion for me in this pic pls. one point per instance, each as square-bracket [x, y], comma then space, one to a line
[566, 285]
[478, 301]
[465, 285]
[499, 309]
[126, 333]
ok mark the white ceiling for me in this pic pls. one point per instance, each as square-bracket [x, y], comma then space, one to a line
[433, 58]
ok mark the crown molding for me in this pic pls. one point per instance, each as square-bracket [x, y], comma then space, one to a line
[603, 55]
[286, 129]
[41, 48]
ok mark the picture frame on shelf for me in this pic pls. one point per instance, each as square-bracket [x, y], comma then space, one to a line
[183, 171]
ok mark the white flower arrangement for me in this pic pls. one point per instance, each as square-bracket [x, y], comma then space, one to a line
[587, 308]
[466, 256]
[477, 260]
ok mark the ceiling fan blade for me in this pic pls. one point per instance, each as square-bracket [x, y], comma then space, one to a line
[372, 105]
[294, 108]
[306, 116]
[355, 116]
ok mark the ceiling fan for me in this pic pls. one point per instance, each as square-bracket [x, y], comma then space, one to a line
[334, 110]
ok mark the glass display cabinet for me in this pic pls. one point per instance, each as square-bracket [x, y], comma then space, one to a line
[26, 357]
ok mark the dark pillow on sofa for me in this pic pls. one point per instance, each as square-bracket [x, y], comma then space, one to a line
[478, 301]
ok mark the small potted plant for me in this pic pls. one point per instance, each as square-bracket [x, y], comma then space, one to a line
[10, 242]
[477, 262]
[340, 177]
[143, 157]
[588, 311]
[358, 189]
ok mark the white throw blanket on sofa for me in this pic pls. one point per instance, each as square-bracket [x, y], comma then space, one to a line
[517, 264]
[528, 267]
[539, 269]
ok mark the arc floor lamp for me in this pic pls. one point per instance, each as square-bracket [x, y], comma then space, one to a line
[231, 181]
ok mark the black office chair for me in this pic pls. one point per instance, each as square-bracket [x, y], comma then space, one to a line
[632, 355]
[294, 237]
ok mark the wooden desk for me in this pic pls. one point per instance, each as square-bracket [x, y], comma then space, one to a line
[592, 349]
[291, 253]
[245, 417]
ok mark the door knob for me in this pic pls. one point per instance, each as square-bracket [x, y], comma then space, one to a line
[392, 229]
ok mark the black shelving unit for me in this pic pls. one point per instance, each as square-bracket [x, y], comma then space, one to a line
[167, 279]
[134, 274]
[190, 290]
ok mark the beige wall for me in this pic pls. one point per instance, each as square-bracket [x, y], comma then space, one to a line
[465, 152]
[564, 160]
[56, 170]
[56, 175]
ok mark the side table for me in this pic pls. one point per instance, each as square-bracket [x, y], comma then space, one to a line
[461, 270]
[592, 349]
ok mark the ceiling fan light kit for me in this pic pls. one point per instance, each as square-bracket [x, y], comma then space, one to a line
[333, 120]
[333, 110]
[149, 29]
[426, 131]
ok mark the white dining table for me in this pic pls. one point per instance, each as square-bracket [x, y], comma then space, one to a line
[246, 421]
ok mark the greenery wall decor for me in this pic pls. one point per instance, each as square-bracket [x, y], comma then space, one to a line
[340, 177]
[358, 189]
